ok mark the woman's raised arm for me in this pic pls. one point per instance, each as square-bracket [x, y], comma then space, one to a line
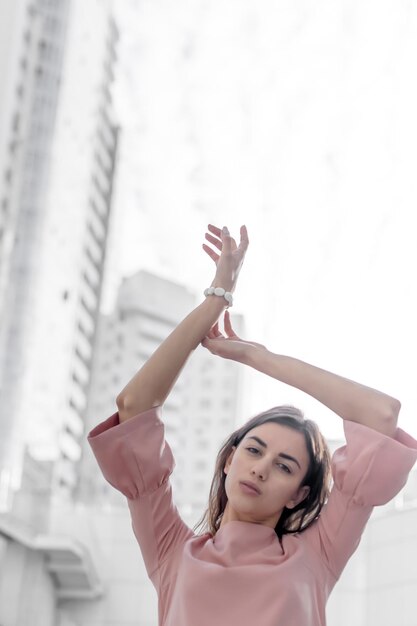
[349, 399]
[153, 382]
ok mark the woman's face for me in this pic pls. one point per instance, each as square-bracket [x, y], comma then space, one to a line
[277, 477]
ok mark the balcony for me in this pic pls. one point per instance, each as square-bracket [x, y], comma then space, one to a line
[71, 556]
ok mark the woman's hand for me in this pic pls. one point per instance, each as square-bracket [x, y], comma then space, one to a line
[230, 259]
[230, 347]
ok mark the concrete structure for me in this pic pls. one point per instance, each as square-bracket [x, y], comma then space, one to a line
[42, 568]
[55, 230]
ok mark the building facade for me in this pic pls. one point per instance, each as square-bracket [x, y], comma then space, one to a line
[33, 39]
[57, 189]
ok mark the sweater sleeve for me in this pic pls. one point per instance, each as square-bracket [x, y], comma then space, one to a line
[368, 471]
[135, 459]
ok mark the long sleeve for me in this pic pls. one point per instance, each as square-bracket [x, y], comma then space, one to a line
[135, 459]
[368, 471]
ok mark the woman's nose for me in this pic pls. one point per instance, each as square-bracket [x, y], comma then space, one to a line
[259, 470]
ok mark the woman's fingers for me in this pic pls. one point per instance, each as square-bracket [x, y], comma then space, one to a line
[244, 239]
[211, 253]
[214, 241]
[226, 241]
[223, 236]
[228, 325]
[216, 231]
[214, 332]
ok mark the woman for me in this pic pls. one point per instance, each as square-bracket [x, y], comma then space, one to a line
[272, 553]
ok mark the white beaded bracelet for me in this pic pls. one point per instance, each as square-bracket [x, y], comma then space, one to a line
[219, 291]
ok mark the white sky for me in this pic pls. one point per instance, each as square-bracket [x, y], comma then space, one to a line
[298, 120]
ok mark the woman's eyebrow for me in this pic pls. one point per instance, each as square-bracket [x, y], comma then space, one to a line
[281, 454]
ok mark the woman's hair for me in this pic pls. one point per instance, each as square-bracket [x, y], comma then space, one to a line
[318, 476]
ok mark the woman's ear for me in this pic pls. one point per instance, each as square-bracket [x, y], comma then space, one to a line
[301, 495]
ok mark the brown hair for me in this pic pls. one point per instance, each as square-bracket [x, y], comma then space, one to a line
[318, 476]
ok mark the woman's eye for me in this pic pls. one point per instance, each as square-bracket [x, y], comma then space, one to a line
[286, 469]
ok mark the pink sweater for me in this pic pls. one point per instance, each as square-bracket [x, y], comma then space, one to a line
[242, 576]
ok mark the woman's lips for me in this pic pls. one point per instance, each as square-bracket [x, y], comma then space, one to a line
[250, 491]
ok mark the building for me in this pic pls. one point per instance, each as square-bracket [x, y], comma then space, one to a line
[33, 38]
[58, 193]
[57, 164]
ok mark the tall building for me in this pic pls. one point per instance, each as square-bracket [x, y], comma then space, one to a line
[32, 38]
[148, 308]
[32, 44]
[57, 158]
[79, 209]
[56, 185]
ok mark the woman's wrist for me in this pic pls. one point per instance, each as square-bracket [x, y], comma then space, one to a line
[254, 354]
[217, 303]
[226, 284]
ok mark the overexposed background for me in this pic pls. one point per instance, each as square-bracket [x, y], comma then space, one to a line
[298, 120]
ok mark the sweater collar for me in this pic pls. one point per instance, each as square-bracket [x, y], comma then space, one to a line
[239, 538]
